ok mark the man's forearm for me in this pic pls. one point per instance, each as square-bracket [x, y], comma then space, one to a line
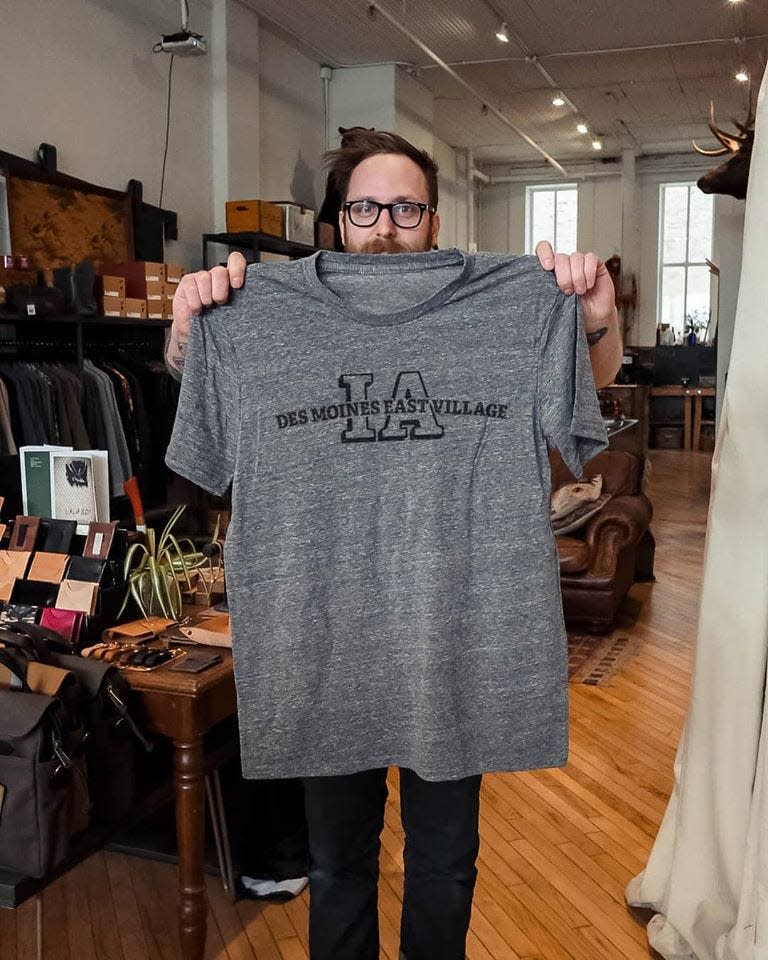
[175, 348]
[605, 350]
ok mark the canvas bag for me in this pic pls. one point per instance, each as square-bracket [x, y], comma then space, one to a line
[110, 749]
[42, 770]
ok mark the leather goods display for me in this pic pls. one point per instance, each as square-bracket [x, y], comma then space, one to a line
[48, 566]
[36, 592]
[99, 540]
[13, 565]
[66, 623]
[138, 630]
[77, 595]
[87, 569]
[25, 531]
[59, 535]
[42, 769]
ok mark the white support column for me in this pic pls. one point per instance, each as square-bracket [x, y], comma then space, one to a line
[471, 228]
[630, 228]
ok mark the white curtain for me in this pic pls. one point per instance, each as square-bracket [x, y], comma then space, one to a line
[707, 876]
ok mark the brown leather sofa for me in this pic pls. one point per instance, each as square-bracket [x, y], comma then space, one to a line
[600, 561]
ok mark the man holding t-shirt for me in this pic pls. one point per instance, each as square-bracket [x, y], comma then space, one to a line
[394, 649]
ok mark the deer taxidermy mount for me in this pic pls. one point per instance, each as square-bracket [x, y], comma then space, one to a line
[731, 176]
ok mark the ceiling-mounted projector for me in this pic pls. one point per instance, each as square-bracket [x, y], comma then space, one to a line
[184, 44]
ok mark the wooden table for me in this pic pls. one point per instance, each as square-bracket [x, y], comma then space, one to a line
[184, 707]
[692, 397]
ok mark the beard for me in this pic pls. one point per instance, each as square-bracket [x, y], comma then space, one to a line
[389, 245]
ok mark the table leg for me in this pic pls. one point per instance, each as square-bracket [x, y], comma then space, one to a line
[189, 779]
[687, 437]
[696, 443]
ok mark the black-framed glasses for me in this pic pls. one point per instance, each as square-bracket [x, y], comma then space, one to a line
[406, 214]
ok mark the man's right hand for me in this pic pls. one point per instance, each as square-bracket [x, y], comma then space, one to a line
[196, 291]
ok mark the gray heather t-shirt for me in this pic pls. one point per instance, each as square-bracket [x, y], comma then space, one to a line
[392, 574]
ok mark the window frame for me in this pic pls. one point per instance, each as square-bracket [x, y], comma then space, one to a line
[530, 191]
[685, 264]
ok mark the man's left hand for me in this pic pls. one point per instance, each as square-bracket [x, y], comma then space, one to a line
[585, 275]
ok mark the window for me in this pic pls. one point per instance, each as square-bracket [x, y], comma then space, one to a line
[551, 214]
[685, 243]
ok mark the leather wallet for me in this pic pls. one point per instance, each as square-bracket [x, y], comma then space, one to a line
[99, 540]
[35, 592]
[138, 630]
[48, 566]
[76, 595]
[87, 569]
[12, 567]
[25, 531]
[67, 623]
[59, 535]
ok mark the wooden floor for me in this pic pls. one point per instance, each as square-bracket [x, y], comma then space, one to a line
[558, 846]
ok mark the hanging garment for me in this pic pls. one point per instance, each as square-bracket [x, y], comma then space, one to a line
[392, 574]
[707, 876]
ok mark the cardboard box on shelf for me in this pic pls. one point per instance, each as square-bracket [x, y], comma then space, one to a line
[170, 289]
[136, 307]
[113, 307]
[155, 310]
[155, 289]
[137, 274]
[299, 222]
[106, 286]
[168, 309]
[254, 216]
[174, 272]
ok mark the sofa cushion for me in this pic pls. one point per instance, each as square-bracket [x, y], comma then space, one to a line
[579, 515]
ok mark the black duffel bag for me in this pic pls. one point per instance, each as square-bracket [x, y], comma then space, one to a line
[45, 799]
[113, 735]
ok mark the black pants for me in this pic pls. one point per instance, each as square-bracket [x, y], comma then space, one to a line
[345, 816]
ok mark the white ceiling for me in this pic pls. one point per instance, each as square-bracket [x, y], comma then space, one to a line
[652, 100]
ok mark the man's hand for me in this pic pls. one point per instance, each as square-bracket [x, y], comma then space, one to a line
[587, 276]
[196, 291]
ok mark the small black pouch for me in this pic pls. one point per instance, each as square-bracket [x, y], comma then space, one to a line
[87, 569]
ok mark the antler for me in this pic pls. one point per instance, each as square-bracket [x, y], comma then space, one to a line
[731, 143]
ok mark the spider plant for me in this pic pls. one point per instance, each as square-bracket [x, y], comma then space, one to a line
[153, 582]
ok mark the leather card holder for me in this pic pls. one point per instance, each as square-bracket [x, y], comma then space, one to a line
[99, 540]
[87, 569]
[13, 566]
[59, 535]
[36, 593]
[25, 531]
[76, 595]
[48, 566]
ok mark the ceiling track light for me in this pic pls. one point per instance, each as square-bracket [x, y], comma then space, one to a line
[501, 33]
[742, 76]
[597, 144]
[582, 127]
[558, 101]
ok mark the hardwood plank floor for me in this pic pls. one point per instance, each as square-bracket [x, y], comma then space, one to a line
[557, 846]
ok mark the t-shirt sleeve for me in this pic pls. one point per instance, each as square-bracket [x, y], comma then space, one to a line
[203, 444]
[569, 410]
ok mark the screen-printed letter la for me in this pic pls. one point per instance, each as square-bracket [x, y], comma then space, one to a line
[409, 413]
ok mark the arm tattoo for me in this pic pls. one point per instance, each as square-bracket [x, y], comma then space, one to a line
[596, 336]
